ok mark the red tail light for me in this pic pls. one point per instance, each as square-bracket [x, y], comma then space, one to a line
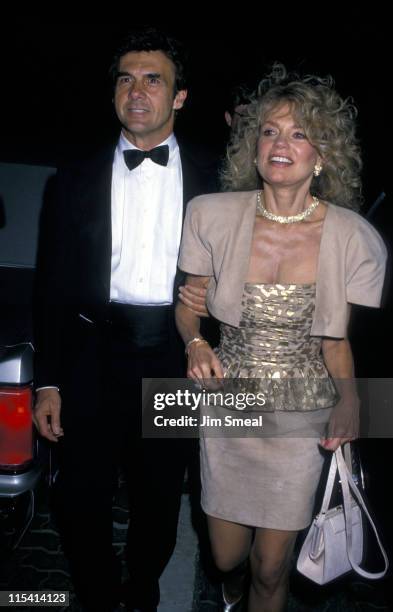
[16, 430]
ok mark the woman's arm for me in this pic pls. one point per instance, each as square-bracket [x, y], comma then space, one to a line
[344, 420]
[202, 361]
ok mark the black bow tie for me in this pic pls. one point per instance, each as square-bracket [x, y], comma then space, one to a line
[134, 157]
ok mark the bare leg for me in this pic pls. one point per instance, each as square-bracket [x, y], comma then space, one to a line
[270, 562]
[231, 545]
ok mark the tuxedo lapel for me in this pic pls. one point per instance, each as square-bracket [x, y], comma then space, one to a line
[95, 227]
[191, 179]
[195, 182]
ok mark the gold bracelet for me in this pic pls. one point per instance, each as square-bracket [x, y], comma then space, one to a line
[197, 339]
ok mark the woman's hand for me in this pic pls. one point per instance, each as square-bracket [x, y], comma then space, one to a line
[343, 423]
[332, 444]
[203, 364]
[194, 298]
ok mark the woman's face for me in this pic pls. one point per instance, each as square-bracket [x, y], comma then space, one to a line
[284, 156]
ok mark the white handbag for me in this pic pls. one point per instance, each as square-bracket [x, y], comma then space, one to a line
[334, 543]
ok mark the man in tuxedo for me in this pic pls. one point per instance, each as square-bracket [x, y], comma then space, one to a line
[106, 280]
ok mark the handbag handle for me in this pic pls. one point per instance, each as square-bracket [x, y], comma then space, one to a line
[317, 544]
[347, 484]
[332, 477]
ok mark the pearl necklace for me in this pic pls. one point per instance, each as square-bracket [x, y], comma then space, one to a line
[261, 210]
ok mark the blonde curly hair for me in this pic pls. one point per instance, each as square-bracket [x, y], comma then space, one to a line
[329, 124]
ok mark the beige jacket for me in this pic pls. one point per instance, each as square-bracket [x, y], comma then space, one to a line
[216, 242]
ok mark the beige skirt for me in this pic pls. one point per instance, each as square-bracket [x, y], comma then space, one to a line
[262, 481]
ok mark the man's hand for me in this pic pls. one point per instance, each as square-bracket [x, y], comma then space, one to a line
[48, 404]
[194, 298]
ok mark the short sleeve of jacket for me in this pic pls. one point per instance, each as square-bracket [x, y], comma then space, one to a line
[365, 266]
[195, 253]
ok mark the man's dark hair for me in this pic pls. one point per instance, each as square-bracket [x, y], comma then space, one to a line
[151, 39]
[237, 95]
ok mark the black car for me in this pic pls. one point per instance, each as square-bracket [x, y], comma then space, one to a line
[22, 456]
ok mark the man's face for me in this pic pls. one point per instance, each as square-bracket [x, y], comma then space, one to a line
[144, 99]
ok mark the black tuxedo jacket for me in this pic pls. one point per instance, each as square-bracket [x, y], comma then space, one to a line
[75, 248]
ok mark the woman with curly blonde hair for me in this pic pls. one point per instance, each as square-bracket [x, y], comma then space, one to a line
[282, 257]
[328, 122]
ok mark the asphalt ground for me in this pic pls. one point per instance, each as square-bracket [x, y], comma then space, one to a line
[38, 564]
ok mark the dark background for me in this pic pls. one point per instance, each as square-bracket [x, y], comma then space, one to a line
[56, 97]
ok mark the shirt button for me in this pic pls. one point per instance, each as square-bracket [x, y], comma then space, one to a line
[141, 280]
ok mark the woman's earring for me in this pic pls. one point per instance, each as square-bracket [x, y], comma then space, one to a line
[255, 161]
[317, 169]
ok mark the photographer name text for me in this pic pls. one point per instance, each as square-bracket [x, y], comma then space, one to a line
[207, 421]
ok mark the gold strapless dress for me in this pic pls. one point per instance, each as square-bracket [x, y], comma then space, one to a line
[261, 481]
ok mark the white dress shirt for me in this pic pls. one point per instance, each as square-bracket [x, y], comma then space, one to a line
[147, 205]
